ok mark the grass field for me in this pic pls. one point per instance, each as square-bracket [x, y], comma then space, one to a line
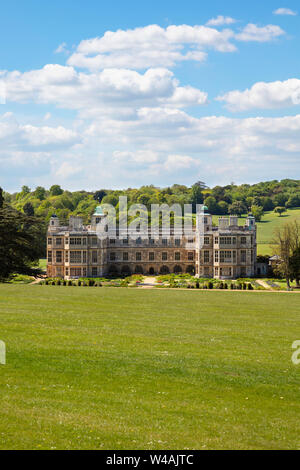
[110, 368]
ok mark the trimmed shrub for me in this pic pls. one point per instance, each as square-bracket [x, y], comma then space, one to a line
[70, 283]
[250, 287]
[58, 282]
[221, 285]
[197, 285]
[91, 282]
[46, 282]
[79, 283]
[225, 285]
[210, 285]
[244, 286]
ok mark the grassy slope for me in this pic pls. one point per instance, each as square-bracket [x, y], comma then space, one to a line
[266, 227]
[137, 369]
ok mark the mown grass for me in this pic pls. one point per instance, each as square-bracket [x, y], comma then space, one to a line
[108, 368]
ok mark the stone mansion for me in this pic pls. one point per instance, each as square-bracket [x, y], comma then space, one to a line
[225, 251]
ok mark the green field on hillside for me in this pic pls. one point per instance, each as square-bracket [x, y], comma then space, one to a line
[109, 368]
[265, 228]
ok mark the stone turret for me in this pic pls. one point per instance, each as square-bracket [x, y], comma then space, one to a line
[250, 222]
[54, 223]
[97, 217]
[203, 220]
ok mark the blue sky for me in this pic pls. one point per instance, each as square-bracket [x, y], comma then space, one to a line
[118, 94]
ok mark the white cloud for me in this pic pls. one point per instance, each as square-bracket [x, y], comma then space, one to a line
[17, 136]
[105, 90]
[67, 169]
[285, 11]
[131, 127]
[150, 46]
[138, 157]
[264, 95]
[252, 32]
[62, 49]
[49, 136]
[220, 20]
[177, 162]
[160, 145]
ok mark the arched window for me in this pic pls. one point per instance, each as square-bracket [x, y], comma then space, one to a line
[177, 269]
[125, 271]
[139, 270]
[191, 270]
[164, 270]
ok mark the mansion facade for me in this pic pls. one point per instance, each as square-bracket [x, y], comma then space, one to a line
[225, 251]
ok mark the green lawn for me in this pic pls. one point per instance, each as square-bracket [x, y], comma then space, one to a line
[43, 264]
[110, 368]
[266, 227]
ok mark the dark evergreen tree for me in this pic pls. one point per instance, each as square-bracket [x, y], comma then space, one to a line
[294, 265]
[1, 198]
[197, 196]
[28, 209]
[19, 242]
[99, 195]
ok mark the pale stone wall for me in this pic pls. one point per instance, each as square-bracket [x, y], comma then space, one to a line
[223, 252]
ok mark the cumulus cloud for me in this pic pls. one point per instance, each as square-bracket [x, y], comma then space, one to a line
[264, 95]
[252, 32]
[150, 46]
[284, 11]
[190, 147]
[109, 88]
[159, 144]
[17, 136]
[220, 20]
[132, 127]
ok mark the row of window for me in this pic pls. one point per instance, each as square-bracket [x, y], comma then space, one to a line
[223, 271]
[229, 240]
[228, 271]
[78, 272]
[73, 257]
[77, 241]
[151, 256]
[223, 256]
[74, 241]
[139, 241]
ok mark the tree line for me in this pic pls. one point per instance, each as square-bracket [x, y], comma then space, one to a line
[221, 200]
